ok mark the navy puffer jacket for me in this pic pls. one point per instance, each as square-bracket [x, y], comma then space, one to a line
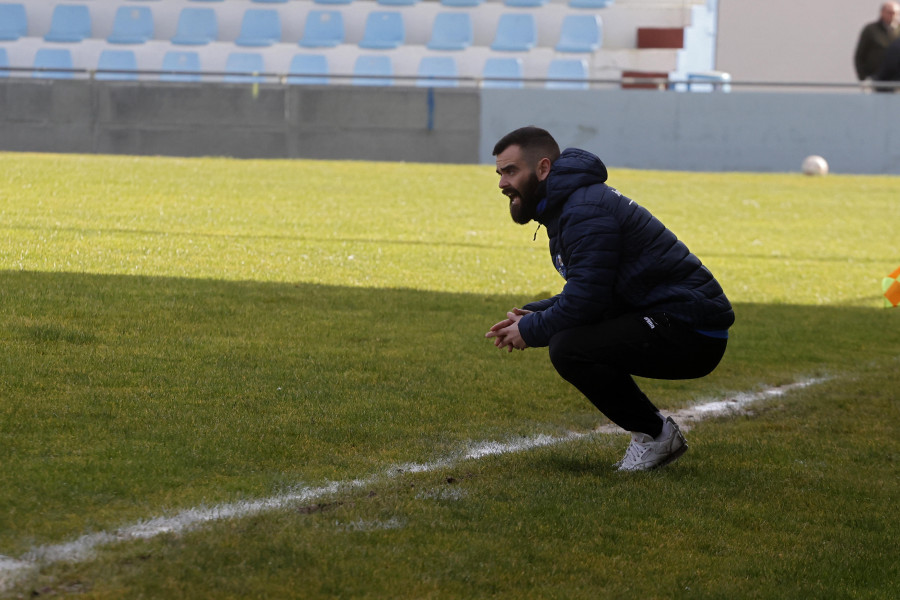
[616, 258]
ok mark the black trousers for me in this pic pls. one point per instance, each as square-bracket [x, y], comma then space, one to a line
[600, 359]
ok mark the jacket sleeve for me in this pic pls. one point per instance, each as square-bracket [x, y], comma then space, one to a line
[540, 305]
[859, 55]
[591, 243]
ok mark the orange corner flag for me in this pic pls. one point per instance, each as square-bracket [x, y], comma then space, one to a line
[891, 287]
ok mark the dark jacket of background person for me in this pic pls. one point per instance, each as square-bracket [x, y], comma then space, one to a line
[873, 42]
[890, 65]
[616, 258]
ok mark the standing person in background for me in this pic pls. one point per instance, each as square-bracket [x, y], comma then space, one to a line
[874, 40]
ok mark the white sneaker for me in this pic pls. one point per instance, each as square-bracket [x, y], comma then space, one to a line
[647, 453]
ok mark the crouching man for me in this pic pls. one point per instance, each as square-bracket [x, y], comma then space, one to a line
[636, 301]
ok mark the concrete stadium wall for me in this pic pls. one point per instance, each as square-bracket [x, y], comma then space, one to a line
[767, 132]
[750, 131]
[232, 120]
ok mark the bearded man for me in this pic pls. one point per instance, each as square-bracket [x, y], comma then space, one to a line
[636, 301]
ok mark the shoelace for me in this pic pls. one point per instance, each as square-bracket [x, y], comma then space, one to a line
[634, 453]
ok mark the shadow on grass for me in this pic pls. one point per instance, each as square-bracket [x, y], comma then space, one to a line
[193, 339]
[196, 338]
[123, 390]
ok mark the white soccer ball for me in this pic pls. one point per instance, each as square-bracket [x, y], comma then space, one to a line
[815, 165]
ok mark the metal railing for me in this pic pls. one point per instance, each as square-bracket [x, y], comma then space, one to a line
[388, 80]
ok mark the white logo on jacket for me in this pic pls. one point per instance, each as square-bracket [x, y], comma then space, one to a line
[560, 265]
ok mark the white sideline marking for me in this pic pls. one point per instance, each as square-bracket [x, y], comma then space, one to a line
[82, 548]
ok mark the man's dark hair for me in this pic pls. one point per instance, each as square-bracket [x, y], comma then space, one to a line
[536, 143]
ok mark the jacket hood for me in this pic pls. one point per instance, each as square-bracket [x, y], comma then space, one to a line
[573, 169]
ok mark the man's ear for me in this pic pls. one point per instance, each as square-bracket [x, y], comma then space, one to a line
[543, 168]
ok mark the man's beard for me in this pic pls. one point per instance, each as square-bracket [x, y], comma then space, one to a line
[525, 209]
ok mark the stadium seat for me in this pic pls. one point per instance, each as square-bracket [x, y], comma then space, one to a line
[502, 73]
[196, 27]
[441, 67]
[332, 1]
[184, 66]
[373, 70]
[243, 67]
[562, 72]
[397, 2]
[69, 23]
[13, 22]
[259, 27]
[117, 60]
[516, 32]
[323, 29]
[451, 31]
[384, 30]
[590, 3]
[207, 0]
[580, 33]
[461, 3]
[4, 62]
[47, 59]
[308, 69]
[132, 25]
[270, 1]
[524, 3]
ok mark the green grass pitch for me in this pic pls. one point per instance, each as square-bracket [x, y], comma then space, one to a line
[186, 333]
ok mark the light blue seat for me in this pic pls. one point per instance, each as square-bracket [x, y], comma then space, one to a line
[397, 2]
[524, 3]
[13, 22]
[567, 74]
[516, 32]
[438, 71]
[132, 25]
[333, 1]
[184, 66]
[308, 69]
[244, 67]
[590, 3]
[384, 30]
[69, 23]
[271, 1]
[502, 73]
[48, 59]
[461, 3]
[373, 70]
[4, 62]
[118, 61]
[323, 29]
[259, 27]
[451, 31]
[580, 33]
[196, 26]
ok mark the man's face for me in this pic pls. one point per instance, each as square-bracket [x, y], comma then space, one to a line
[519, 182]
[890, 12]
